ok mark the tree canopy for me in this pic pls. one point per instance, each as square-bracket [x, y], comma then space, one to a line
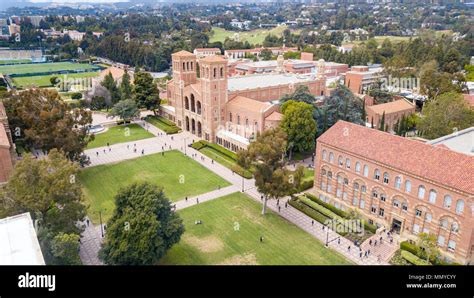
[146, 92]
[444, 115]
[41, 120]
[125, 109]
[299, 125]
[142, 228]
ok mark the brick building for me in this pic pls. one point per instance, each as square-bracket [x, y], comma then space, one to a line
[361, 78]
[227, 110]
[6, 147]
[403, 185]
[394, 111]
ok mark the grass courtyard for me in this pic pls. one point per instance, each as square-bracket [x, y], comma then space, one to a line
[120, 134]
[230, 232]
[101, 183]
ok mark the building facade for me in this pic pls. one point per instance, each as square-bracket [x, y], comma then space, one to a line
[6, 147]
[400, 184]
[393, 111]
[225, 110]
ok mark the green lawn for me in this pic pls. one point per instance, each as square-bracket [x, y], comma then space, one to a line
[230, 232]
[43, 67]
[44, 81]
[179, 175]
[120, 134]
[253, 37]
[15, 61]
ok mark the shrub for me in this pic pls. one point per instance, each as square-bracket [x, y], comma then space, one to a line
[407, 246]
[413, 259]
[198, 145]
[305, 185]
[76, 95]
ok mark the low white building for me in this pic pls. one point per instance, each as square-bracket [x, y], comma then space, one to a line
[18, 241]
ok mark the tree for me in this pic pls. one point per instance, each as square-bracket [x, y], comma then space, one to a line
[265, 155]
[125, 110]
[146, 92]
[142, 228]
[65, 249]
[53, 80]
[110, 84]
[428, 246]
[266, 54]
[434, 83]
[44, 121]
[446, 114]
[341, 105]
[301, 93]
[382, 122]
[53, 195]
[125, 86]
[299, 125]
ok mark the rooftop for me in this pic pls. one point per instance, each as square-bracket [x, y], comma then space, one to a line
[19, 243]
[275, 116]
[461, 141]
[246, 103]
[4, 141]
[433, 163]
[392, 107]
[182, 54]
[247, 82]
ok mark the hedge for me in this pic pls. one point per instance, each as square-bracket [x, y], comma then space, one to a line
[369, 227]
[311, 212]
[166, 125]
[305, 185]
[321, 209]
[413, 259]
[407, 246]
[328, 206]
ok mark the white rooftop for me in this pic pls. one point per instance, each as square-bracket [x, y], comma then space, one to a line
[18, 241]
[246, 82]
[461, 141]
[228, 134]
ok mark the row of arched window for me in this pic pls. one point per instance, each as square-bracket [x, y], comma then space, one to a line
[385, 179]
[193, 106]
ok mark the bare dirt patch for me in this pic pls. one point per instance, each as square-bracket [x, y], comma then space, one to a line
[246, 259]
[206, 244]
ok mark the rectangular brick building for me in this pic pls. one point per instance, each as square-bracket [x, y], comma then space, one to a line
[403, 185]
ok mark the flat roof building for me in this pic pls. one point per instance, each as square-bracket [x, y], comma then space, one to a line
[459, 141]
[18, 241]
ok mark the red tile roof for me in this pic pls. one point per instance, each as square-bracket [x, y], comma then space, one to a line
[445, 167]
[4, 142]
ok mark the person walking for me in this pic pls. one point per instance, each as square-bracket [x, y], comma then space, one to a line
[87, 221]
[286, 204]
[370, 242]
[261, 239]
[143, 151]
[349, 248]
[186, 199]
[339, 241]
[197, 200]
[279, 208]
[97, 152]
[312, 222]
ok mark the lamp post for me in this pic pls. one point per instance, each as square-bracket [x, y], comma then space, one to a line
[184, 141]
[101, 227]
[327, 236]
[243, 179]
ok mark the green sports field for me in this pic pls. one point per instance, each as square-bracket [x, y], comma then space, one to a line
[179, 175]
[230, 235]
[15, 61]
[43, 67]
[44, 81]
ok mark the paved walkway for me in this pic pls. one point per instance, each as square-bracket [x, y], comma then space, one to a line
[180, 141]
[91, 240]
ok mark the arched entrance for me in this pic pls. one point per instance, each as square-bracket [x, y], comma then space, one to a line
[193, 126]
[187, 123]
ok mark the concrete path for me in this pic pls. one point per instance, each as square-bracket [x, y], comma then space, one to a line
[91, 240]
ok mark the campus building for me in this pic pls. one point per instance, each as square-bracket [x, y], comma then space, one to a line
[360, 78]
[227, 110]
[6, 147]
[400, 184]
[392, 112]
[19, 245]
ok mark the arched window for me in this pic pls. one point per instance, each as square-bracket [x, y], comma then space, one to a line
[331, 157]
[324, 154]
[377, 174]
[238, 119]
[366, 170]
[348, 163]
[339, 161]
[432, 196]
[385, 178]
[428, 217]
[222, 72]
[459, 206]
[186, 103]
[408, 186]
[447, 201]
[421, 192]
[358, 167]
[230, 117]
[455, 227]
[215, 72]
[398, 182]
[444, 223]
[363, 188]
